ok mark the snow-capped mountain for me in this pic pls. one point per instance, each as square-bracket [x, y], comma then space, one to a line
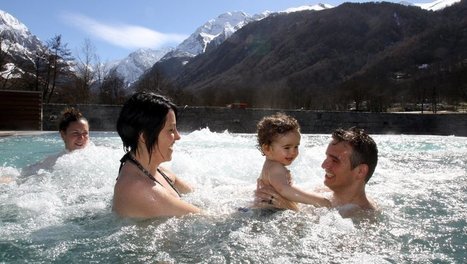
[16, 35]
[217, 29]
[133, 66]
[436, 5]
[317, 7]
[18, 43]
[214, 31]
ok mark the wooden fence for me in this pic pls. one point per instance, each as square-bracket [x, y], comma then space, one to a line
[20, 110]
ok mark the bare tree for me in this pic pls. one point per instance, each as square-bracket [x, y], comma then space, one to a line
[100, 70]
[112, 88]
[40, 63]
[58, 59]
[85, 70]
[155, 82]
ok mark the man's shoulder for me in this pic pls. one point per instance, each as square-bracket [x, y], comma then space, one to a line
[356, 211]
[323, 189]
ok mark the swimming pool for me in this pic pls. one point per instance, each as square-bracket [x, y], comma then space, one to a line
[63, 213]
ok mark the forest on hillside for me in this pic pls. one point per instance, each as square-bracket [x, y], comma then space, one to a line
[371, 56]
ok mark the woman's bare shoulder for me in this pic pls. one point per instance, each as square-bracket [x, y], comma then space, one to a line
[167, 171]
[132, 180]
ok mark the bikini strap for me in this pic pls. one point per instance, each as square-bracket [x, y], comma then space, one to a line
[122, 161]
[169, 181]
[129, 157]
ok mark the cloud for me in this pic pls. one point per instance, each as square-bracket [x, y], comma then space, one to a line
[123, 35]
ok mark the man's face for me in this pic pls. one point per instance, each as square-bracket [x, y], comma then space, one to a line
[76, 135]
[339, 174]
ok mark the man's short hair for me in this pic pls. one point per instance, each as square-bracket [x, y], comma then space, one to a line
[364, 149]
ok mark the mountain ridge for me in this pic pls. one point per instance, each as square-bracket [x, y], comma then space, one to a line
[202, 43]
[323, 52]
[192, 46]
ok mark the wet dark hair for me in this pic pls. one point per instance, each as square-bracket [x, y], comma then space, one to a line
[364, 149]
[69, 115]
[270, 127]
[143, 113]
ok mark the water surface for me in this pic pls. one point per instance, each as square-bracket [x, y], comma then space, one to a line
[62, 213]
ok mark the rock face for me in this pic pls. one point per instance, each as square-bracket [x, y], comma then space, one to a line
[18, 46]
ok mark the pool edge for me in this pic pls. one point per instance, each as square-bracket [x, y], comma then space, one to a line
[9, 133]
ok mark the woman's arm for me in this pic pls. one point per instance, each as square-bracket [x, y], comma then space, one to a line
[142, 201]
[139, 197]
[168, 205]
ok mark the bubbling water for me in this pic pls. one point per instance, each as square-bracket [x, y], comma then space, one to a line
[63, 212]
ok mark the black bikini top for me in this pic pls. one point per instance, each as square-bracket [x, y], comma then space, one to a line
[129, 157]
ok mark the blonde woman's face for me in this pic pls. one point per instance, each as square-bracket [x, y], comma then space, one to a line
[76, 135]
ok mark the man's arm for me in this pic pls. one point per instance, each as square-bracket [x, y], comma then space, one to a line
[292, 193]
[267, 197]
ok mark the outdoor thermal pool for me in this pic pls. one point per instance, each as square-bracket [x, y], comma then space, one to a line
[62, 214]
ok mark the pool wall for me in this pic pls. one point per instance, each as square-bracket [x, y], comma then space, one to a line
[103, 118]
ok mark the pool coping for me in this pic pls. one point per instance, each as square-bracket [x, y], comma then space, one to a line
[10, 133]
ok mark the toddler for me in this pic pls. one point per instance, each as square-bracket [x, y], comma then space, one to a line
[278, 140]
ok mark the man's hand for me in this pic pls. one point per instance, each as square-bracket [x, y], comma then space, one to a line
[267, 197]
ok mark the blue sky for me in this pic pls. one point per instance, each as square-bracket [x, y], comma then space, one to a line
[117, 28]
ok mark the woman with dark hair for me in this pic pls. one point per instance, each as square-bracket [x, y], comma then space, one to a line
[144, 189]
